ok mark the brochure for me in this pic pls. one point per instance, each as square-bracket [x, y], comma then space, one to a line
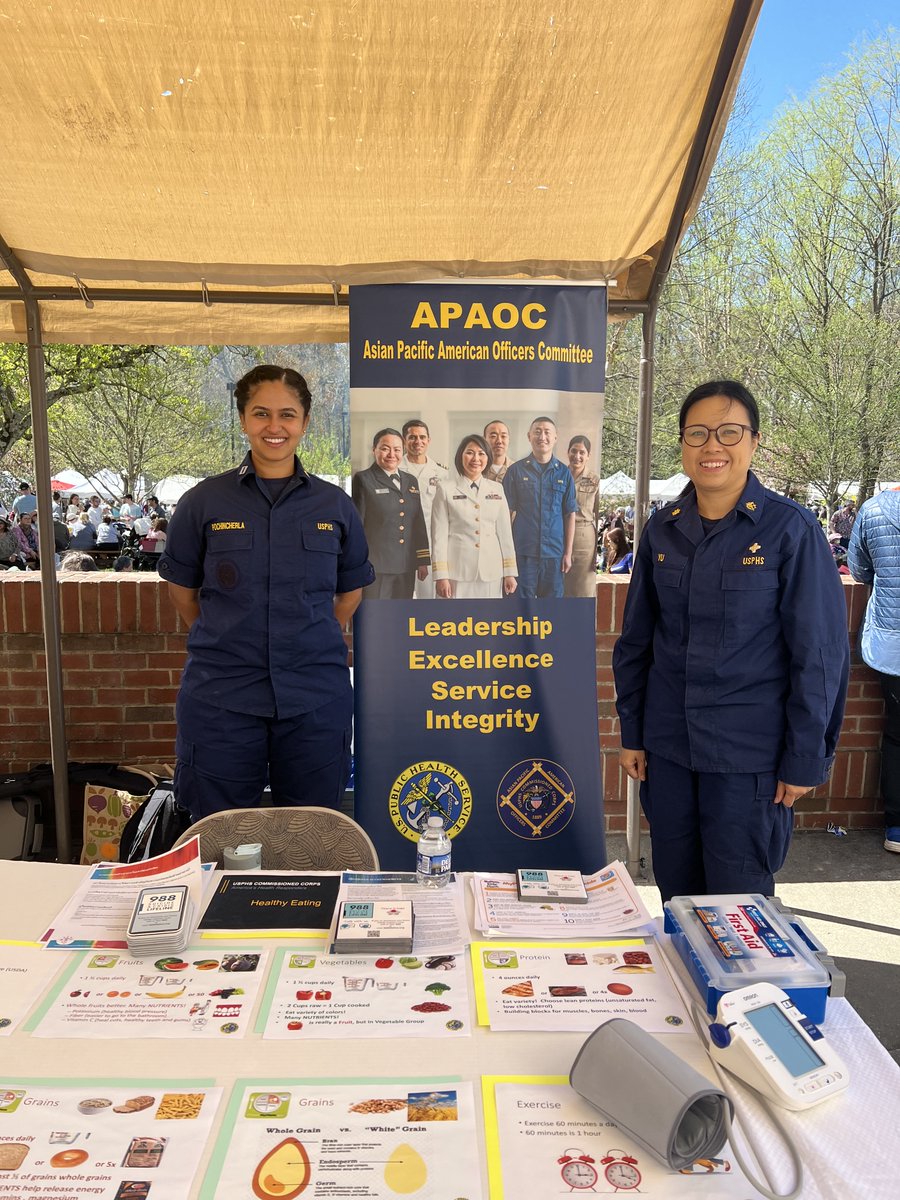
[114, 995]
[364, 926]
[97, 914]
[114, 1139]
[555, 986]
[554, 887]
[543, 1139]
[246, 903]
[441, 924]
[312, 995]
[24, 974]
[613, 907]
[371, 1139]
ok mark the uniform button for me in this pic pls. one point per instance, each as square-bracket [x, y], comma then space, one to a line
[477, 505]
[476, 545]
[402, 501]
[402, 527]
[402, 540]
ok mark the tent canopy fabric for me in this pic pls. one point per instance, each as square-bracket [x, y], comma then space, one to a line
[172, 488]
[285, 149]
[618, 484]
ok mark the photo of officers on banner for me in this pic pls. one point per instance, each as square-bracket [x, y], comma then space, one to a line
[476, 520]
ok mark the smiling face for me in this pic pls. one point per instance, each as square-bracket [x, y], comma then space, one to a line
[417, 443]
[388, 451]
[474, 461]
[274, 422]
[542, 436]
[578, 456]
[719, 473]
[497, 437]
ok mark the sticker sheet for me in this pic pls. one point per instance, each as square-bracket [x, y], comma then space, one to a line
[544, 1140]
[119, 1141]
[575, 985]
[25, 971]
[199, 994]
[313, 995]
[370, 1139]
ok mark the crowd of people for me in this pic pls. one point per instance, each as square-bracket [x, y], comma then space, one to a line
[138, 531]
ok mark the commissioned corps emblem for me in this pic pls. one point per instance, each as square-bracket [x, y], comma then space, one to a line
[425, 788]
[536, 799]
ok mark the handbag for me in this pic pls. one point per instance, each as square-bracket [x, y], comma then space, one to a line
[155, 827]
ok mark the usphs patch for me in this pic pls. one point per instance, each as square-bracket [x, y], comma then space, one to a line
[426, 788]
[536, 799]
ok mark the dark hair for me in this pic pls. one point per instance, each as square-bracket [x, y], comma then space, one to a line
[496, 421]
[618, 539]
[549, 421]
[6, 523]
[106, 519]
[24, 484]
[128, 496]
[580, 439]
[267, 373]
[160, 524]
[731, 390]
[122, 563]
[384, 433]
[57, 495]
[408, 425]
[474, 439]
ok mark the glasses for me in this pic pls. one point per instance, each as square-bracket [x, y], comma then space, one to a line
[726, 435]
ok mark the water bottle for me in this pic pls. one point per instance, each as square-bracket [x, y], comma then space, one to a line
[433, 854]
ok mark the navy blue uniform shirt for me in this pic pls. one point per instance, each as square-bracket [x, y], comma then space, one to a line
[540, 494]
[734, 653]
[266, 641]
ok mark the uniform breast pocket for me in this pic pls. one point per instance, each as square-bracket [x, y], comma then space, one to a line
[671, 590]
[320, 559]
[229, 554]
[751, 602]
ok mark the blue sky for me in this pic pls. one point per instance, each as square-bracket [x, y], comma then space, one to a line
[799, 41]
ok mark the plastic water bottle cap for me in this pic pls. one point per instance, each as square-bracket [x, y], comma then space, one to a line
[435, 822]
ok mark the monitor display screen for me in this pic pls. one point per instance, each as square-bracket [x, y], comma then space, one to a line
[784, 1039]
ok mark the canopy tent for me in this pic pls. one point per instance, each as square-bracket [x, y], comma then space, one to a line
[172, 488]
[184, 176]
[618, 484]
[282, 151]
[665, 490]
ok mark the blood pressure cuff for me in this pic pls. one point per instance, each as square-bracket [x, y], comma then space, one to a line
[651, 1095]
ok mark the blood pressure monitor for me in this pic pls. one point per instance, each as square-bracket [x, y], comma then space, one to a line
[760, 1036]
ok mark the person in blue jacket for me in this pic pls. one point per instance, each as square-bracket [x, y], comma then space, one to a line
[731, 669]
[874, 558]
[266, 565]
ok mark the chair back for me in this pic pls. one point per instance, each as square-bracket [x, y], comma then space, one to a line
[292, 839]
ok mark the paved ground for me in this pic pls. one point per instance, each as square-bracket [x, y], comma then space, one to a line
[847, 890]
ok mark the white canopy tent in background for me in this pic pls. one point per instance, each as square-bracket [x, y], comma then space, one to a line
[172, 488]
[229, 171]
[664, 490]
[618, 484]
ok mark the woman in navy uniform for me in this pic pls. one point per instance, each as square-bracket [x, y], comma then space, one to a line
[731, 670]
[471, 531]
[266, 565]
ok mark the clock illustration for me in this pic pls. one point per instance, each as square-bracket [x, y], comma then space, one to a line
[578, 1172]
[620, 1171]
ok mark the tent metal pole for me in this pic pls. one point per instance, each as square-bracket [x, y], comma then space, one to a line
[59, 758]
[641, 513]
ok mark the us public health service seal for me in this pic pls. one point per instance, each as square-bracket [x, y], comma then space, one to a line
[427, 788]
[536, 799]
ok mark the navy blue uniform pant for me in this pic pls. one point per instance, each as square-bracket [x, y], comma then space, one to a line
[224, 759]
[713, 833]
[540, 577]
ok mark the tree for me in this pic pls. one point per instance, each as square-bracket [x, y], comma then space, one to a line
[71, 371]
[827, 248]
[146, 423]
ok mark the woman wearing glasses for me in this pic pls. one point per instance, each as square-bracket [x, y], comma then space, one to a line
[731, 670]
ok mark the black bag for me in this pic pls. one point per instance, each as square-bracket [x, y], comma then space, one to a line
[155, 827]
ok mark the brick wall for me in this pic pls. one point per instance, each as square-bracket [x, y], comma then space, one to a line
[123, 650]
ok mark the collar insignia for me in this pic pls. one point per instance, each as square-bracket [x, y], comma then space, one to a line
[751, 505]
[675, 512]
[753, 549]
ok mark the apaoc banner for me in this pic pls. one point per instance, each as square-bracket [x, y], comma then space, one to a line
[486, 713]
